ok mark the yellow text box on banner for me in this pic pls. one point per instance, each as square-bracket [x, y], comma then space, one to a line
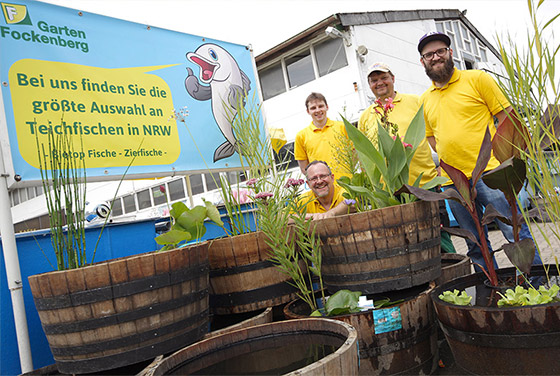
[118, 114]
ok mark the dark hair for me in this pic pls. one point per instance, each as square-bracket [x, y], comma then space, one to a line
[317, 162]
[315, 97]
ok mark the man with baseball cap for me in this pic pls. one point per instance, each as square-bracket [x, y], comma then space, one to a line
[382, 83]
[458, 108]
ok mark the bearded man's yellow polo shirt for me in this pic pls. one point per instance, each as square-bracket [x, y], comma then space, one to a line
[457, 116]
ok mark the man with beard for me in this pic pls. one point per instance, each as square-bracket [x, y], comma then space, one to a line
[458, 108]
[325, 198]
[382, 84]
[317, 141]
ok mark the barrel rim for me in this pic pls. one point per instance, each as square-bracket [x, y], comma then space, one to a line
[214, 343]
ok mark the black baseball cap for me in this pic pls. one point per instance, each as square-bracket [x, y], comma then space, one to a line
[430, 37]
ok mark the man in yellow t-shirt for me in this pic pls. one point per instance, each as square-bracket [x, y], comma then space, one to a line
[316, 141]
[381, 82]
[325, 198]
[458, 108]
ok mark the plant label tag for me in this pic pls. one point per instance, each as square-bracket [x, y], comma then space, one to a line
[387, 320]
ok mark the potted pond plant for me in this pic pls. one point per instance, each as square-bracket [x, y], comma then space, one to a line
[516, 330]
[393, 241]
[105, 315]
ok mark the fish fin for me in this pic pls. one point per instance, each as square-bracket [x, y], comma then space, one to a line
[246, 82]
[224, 150]
[195, 89]
[235, 96]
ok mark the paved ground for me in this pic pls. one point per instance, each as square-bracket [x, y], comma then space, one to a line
[548, 248]
[541, 233]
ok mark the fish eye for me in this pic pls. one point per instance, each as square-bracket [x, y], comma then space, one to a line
[213, 54]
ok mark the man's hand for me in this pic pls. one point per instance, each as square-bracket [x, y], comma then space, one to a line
[316, 216]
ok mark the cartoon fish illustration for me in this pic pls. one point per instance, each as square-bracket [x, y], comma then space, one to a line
[225, 84]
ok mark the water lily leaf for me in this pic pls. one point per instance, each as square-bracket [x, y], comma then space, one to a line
[510, 138]
[213, 213]
[192, 220]
[173, 237]
[508, 177]
[521, 254]
[342, 301]
[177, 209]
[484, 155]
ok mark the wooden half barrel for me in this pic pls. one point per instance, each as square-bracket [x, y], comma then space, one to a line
[242, 320]
[387, 249]
[401, 339]
[491, 340]
[124, 311]
[265, 359]
[242, 277]
[453, 265]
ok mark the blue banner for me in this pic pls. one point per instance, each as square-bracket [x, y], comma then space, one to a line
[123, 90]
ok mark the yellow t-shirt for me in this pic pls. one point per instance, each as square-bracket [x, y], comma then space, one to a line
[406, 107]
[317, 144]
[457, 116]
[314, 206]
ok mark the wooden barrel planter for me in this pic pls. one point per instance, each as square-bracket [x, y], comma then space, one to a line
[453, 265]
[387, 249]
[230, 323]
[276, 348]
[487, 340]
[124, 311]
[401, 339]
[242, 277]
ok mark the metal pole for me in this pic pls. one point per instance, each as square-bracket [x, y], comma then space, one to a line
[13, 271]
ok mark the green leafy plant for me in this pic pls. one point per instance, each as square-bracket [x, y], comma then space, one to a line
[456, 297]
[531, 296]
[386, 302]
[342, 302]
[387, 165]
[187, 224]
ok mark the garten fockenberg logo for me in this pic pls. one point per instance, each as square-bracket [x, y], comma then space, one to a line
[15, 14]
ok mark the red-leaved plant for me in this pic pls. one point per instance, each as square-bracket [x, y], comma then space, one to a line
[508, 143]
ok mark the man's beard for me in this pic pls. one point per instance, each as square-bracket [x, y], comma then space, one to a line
[442, 75]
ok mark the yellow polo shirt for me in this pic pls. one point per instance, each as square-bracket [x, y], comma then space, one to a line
[406, 107]
[314, 206]
[457, 116]
[314, 144]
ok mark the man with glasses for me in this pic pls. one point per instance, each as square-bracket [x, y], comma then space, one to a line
[317, 141]
[382, 84]
[325, 197]
[458, 108]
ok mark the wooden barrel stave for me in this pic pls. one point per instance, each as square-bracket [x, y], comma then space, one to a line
[100, 317]
[400, 242]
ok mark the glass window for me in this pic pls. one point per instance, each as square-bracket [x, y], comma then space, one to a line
[300, 68]
[129, 204]
[459, 39]
[15, 197]
[22, 194]
[439, 27]
[31, 192]
[272, 81]
[39, 190]
[144, 199]
[483, 56]
[117, 208]
[211, 184]
[330, 56]
[196, 184]
[176, 190]
[158, 195]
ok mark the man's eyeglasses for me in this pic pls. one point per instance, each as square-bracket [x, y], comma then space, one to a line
[440, 52]
[318, 177]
